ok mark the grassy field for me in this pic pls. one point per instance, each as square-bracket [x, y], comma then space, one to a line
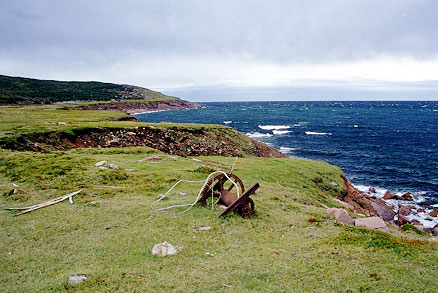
[290, 244]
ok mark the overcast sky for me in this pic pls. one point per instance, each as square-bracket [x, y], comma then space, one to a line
[229, 50]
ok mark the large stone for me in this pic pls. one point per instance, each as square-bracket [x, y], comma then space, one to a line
[434, 213]
[340, 215]
[373, 223]
[403, 220]
[76, 279]
[165, 248]
[404, 210]
[114, 166]
[384, 211]
[435, 230]
[389, 195]
[407, 196]
[100, 163]
[345, 204]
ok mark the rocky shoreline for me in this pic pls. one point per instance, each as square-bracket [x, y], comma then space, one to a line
[395, 210]
[139, 107]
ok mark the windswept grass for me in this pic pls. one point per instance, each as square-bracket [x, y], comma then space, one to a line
[110, 229]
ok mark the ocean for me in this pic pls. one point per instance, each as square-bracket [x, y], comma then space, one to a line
[386, 145]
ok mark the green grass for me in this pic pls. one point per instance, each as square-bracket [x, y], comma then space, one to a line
[108, 232]
[27, 90]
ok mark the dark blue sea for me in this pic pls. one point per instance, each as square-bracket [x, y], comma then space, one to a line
[388, 145]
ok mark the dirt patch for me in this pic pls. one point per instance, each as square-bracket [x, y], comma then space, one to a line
[221, 141]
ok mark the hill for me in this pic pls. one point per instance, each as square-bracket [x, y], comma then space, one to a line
[15, 90]
[290, 244]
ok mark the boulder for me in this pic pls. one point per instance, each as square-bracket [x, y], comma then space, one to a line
[344, 204]
[372, 223]
[419, 226]
[383, 211]
[100, 163]
[426, 203]
[372, 190]
[340, 215]
[114, 166]
[202, 228]
[435, 230]
[415, 222]
[165, 248]
[434, 213]
[389, 195]
[406, 196]
[403, 220]
[404, 210]
[76, 279]
[333, 183]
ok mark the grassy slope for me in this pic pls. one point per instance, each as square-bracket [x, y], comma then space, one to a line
[276, 250]
[19, 89]
[111, 241]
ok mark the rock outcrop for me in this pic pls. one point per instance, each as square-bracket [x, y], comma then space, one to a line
[174, 140]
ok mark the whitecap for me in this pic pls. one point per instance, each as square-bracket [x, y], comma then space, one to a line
[274, 127]
[227, 122]
[355, 126]
[286, 149]
[299, 124]
[280, 132]
[258, 134]
[317, 133]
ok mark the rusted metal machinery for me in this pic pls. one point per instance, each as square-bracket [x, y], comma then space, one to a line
[220, 186]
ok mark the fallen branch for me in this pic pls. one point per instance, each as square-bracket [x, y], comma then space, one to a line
[45, 204]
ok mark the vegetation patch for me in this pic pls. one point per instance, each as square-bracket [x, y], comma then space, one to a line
[381, 241]
[410, 227]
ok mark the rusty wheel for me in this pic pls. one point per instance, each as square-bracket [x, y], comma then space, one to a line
[218, 183]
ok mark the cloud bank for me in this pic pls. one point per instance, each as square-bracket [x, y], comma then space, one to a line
[180, 44]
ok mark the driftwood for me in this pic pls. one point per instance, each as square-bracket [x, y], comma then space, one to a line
[45, 204]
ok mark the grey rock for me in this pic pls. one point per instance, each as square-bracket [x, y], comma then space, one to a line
[333, 183]
[373, 223]
[202, 228]
[165, 248]
[100, 163]
[340, 215]
[76, 279]
[103, 168]
[114, 166]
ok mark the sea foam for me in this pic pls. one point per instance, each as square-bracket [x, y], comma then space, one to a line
[258, 134]
[274, 127]
[280, 132]
[317, 133]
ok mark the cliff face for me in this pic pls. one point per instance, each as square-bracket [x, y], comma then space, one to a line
[176, 140]
[139, 107]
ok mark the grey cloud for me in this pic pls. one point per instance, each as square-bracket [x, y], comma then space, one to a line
[280, 31]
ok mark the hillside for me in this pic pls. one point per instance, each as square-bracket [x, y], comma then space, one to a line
[15, 90]
[290, 244]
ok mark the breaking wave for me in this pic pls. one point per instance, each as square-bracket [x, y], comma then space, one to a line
[258, 134]
[279, 132]
[317, 133]
[274, 127]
